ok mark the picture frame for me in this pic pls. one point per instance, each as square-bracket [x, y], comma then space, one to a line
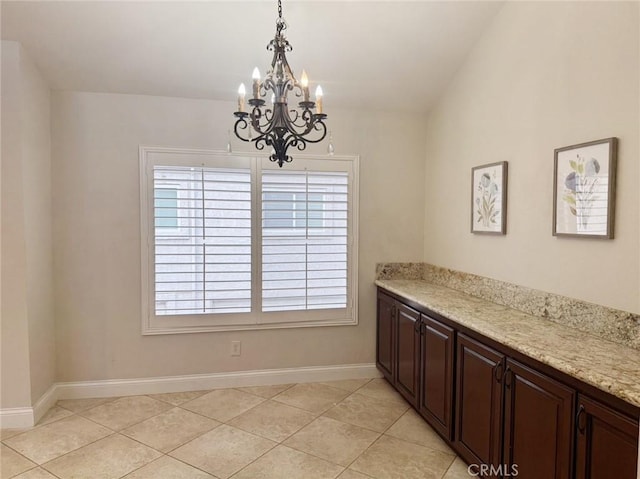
[489, 198]
[584, 185]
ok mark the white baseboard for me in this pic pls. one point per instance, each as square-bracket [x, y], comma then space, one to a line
[28, 416]
[23, 417]
[16, 417]
[197, 382]
[46, 402]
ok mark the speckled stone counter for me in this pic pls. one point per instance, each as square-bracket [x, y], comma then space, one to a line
[609, 366]
[607, 323]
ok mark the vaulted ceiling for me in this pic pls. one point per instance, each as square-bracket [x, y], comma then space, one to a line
[366, 54]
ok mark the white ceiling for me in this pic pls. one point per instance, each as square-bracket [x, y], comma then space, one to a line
[366, 54]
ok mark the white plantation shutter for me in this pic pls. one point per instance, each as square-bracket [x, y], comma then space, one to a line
[202, 220]
[233, 242]
[304, 240]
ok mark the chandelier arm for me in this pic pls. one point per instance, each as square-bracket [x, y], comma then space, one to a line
[256, 116]
[295, 118]
[263, 130]
[299, 121]
[317, 125]
[260, 143]
[305, 117]
[301, 145]
[311, 122]
[241, 124]
[302, 120]
[267, 117]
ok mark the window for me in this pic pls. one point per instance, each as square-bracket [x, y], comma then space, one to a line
[205, 265]
[232, 242]
[304, 240]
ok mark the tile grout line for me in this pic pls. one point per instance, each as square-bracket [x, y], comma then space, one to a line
[169, 457]
[281, 443]
[383, 434]
[240, 388]
[450, 466]
[128, 425]
[380, 434]
[322, 414]
[227, 422]
[36, 465]
[42, 465]
[263, 454]
[112, 432]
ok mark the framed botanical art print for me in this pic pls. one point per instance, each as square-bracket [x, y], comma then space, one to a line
[489, 198]
[584, 183]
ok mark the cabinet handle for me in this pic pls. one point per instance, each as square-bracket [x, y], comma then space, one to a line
[417, 325]
[580, 419]
[508, 377]
[498, 372]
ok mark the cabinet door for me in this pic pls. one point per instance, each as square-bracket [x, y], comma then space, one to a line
[408, 352]
[606, 442]
[436, 372]
[478, 417]
[386, 336]
[538, 424]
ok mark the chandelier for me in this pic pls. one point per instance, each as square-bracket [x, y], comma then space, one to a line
[276, 125]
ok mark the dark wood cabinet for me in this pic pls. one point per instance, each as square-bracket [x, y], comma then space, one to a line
[478, 416]
[385, 347]
[538, 424]
[436, 374]
[606, 442]
[499, 409]
[407, 352]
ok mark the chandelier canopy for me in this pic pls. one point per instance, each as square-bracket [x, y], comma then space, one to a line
[276, 125]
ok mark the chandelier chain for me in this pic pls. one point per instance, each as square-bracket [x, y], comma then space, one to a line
[281, 23]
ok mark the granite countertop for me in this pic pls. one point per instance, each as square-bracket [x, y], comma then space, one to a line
[609, 366]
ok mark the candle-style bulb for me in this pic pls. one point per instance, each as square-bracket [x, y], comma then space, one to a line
[304, 81]
[242, 91]
[256, 83]
[319, 99]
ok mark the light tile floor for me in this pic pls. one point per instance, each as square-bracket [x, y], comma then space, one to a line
[355, 429]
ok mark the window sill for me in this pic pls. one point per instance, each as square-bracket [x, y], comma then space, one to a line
[151, 331]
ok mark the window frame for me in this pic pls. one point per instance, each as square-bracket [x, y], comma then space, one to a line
[153, 324]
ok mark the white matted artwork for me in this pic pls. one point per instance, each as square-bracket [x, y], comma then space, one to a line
[489, 198]
[584, 189]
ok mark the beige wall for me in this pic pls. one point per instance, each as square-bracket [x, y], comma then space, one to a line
[28, 333]
[36, 179]
[15, 380]
[97, 229]
[543, 76]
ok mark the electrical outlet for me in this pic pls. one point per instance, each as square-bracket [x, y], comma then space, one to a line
[235, 348]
